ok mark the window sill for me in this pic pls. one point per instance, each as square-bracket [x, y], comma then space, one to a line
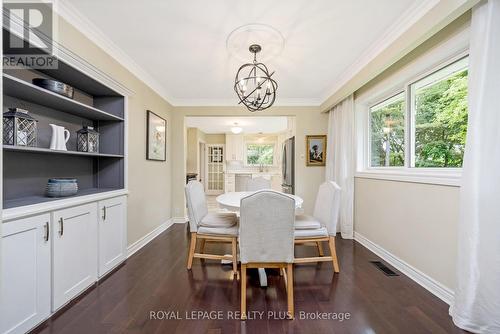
[450, 178]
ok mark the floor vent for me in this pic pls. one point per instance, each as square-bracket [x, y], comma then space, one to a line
[386, 270]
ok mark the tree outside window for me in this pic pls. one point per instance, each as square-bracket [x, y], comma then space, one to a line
[260, 154]
[441, 122]
[432, 132]
[388, 132]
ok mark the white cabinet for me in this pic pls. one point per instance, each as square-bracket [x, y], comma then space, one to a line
[25, 273]
[74, 252]
[229, 182]
[112, 233]
[234, 147]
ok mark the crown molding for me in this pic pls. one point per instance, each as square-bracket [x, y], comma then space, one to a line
[283, 102]
[412, 15]
[69, 13]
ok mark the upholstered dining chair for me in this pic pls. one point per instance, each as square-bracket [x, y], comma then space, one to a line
[266, 238]
[209, 226]
[322, 226]
[258, 183]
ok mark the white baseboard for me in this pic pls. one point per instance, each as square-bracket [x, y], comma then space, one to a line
[433, 286]
[133, 248]
[180, 220]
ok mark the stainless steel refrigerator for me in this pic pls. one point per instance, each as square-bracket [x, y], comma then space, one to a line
[288, 166]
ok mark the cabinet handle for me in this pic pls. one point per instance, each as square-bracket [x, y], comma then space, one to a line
[61, 226]
[104, 213]
[47, 231]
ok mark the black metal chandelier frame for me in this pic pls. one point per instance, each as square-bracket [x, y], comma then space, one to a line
[258, 73]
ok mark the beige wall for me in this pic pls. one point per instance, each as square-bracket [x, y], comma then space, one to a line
[309, 121]
[149, 182]
[193, 138]
[215, 138]
[415, 222]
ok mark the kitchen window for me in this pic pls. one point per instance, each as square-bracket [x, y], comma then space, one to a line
[422, 127]
[260, 154]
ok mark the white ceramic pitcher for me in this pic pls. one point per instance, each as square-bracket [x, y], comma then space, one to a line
[60, 137]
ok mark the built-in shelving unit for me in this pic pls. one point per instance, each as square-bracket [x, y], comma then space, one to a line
[49, 151]
[23, 90]
[27, 169]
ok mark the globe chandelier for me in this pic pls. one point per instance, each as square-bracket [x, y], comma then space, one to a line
[254, 85]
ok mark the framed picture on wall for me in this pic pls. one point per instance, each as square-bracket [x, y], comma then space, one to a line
[316, 150]
[156, 143]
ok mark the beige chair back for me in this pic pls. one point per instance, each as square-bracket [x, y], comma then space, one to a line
[327, 206]
[266, 227]
[258, 183]
[196, 204]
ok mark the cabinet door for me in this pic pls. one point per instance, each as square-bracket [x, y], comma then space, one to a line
[230, 156]
[239, 147]
[25, 274]
[74, 252]
[112, 233]
[229, 185]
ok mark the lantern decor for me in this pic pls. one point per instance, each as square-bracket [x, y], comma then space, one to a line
[87, 140]
[254, 85]
[19, 128]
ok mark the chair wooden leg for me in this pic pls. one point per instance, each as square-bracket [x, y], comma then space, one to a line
[235, 258]
[243, 291]
[320, 248]
[202, 246]
[331, 243]
[289, 290]
[192, 247]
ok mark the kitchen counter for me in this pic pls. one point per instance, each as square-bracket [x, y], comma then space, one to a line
[242, 171]
[236, 179]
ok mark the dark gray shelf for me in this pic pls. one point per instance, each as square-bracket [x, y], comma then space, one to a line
[30, 200]
[23, 90]
[49, 151]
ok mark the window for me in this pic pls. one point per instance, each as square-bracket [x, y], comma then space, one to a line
[387, 132]
[440, 117]
[260, 154]
[428, 128]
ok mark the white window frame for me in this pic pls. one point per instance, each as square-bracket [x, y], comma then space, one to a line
[255, 142]
[406, 173]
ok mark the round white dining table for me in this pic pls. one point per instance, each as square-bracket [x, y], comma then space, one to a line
[231, 201]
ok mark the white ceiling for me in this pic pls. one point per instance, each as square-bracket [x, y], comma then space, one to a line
[250, 125]
[181, 45]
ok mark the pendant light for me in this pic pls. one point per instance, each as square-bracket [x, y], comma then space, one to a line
[254, 85]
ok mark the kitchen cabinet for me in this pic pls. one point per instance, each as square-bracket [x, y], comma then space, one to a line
[229, 182]
[234, 147]
[112, 233]
[25, 273]
[242, 181]
[74, 252]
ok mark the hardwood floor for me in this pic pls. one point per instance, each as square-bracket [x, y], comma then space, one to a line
[155, 279]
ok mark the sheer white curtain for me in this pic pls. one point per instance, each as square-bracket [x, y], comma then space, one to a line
[476, 305]
[340, 160]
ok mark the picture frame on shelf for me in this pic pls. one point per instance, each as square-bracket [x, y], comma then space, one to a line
[316, 150]
[156, 142]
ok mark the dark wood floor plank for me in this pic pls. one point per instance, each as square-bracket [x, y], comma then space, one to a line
[155, 279]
